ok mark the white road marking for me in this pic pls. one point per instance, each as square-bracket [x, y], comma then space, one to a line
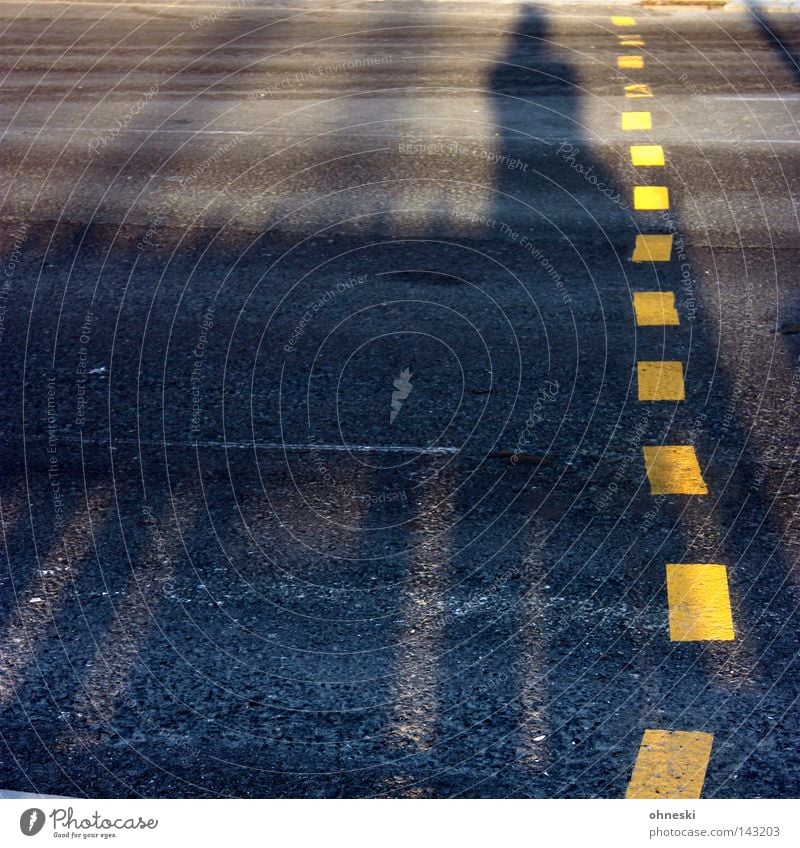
[264, 446]
[544, 139]
[755, 97]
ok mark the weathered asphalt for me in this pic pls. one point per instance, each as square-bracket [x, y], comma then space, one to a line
[225, 573]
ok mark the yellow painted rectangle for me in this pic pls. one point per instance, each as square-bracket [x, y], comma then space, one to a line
[655, 309]
[671, 764]
[660, 380]
[630, 40]
[653, 248]
[699, 603]
[638, 89]
[633, 63]
[623, 21]
[637, 121]
[647, 155]
[673, 470]
[650, 197]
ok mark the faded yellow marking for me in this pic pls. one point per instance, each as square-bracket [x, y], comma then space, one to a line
[630, 62]
[652, 248]
[699, 603]
[630, 40]
[623, 21]
[638, 89]
[671, 764]
[673, 470]
[637, 121]
[655, 309]
[650, 197]
[660, 380]
[647, 155]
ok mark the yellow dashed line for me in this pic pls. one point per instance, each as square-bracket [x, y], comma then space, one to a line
[660, 380]
[647, 155]
[673, 470]
[638, 89]
[670, 764]
[653, 248]
[650, 197]
[637, 121]
[655, 309]
[699, 603]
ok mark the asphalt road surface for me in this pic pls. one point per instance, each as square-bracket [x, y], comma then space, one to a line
[324, 466]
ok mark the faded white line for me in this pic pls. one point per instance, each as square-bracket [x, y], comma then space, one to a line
[263, 446]
[275, 132]
[754, 97]
[549, 140]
